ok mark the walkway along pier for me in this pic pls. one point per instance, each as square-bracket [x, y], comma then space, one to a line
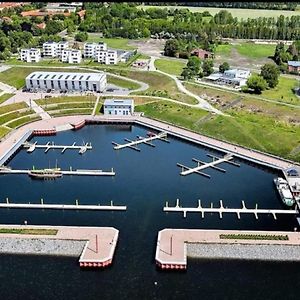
[78, 172]
[98, 251]
[32, 146]
[76, 206]
[204, 165]
[172, 246]
[142, 140]
[221, 210]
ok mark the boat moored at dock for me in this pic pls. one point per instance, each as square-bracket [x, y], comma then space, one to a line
[284, 191]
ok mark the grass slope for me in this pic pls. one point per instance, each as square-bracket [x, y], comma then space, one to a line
[170, 66]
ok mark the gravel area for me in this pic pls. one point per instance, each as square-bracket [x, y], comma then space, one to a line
[244, 251]
[41, 246]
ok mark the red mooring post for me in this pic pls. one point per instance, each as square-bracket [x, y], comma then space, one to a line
[96, 243]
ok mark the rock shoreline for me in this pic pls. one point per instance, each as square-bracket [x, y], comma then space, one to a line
[41, 246]
[244, 251]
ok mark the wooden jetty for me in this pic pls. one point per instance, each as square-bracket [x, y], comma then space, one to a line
[76, 206]
[221, 210]
[141, 140]
[204, 165]
[32, 146]
[78, 172]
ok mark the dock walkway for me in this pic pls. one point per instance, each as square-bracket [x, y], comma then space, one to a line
[48, 146]
[221, 210]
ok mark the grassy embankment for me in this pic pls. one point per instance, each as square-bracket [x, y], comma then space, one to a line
[14, 115]
[29, 231]
[265, 237]
[252, 130]
[5, 96]
[68, 105]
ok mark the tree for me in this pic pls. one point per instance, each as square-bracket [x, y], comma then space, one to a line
[279, 50]
[256, 83]
[81, 36]
[224, 67]
[194, 64]
[207, 67]
[270, 73]
[171, 47]
[186, 73]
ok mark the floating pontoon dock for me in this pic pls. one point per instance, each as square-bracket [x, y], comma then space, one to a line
[77, 206]
[32, 146]
[142, 140]
[220, 210]
[204, 165]
[78, 172]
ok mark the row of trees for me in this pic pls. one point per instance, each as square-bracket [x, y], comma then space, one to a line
[126, 20]
[197, 68]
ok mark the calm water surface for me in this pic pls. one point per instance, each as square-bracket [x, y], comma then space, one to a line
[144, 181]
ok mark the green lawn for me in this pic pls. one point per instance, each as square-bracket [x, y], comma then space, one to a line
[11, 107]
[283, 91]
[248, 129]
[236, 12]
[69, 112]
[4, 97]
[122, 83]
[224, 50]
[255, 51]
[170, 66]
[14, 115]
[29, 231]
[64, 106]
[117, 43]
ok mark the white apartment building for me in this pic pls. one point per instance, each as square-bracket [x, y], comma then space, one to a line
[65, 81]
[53, 49]
[109, 57]
[30, 55]
[71, 56]
[118, 107]
[91, 48]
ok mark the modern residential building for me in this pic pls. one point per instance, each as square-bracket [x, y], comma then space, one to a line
[30, 55]
[118, 107]
[108, 57]
[53, 49]
[71, 56]
[90, 49]
[294, 66]
[64, 81]
[235, 77]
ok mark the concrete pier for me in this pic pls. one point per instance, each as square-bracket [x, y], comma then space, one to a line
[141, 140]
[98, 251]
[48, 146]
[76, 206]
[222, 210]
[172, 246]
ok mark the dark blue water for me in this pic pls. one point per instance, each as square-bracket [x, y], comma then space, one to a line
[144, 181]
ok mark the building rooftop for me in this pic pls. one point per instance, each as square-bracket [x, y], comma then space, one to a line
[66, 76]
[118, 102]
[294, 63]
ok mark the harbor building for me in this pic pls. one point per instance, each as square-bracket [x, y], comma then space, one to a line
[71, 56]
[90, 49]
[65, 81]
[118, 107]
[30, 55]
[53, 49]
[109, 57]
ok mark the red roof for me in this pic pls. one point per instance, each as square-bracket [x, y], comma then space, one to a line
[38, 13]
[41, 25]
[81, 13]
[10, 4]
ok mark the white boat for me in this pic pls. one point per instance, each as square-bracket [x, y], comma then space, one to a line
[284, 191]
